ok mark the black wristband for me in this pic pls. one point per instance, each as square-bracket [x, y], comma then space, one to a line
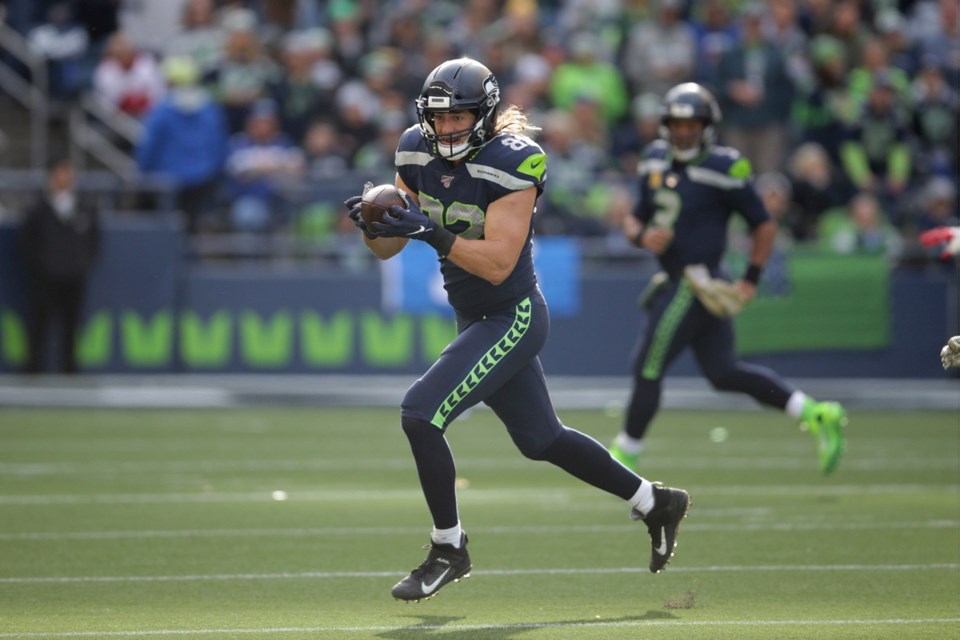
[638, 239]
[753, 274]
[441, 240]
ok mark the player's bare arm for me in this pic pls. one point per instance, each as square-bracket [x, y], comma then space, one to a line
[506, 227]
[653, 239]
[656, 239]
[763, 238]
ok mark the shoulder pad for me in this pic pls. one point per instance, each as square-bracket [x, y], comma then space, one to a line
[412, 148]
[728, 161]
[513, 161]
[653, 158]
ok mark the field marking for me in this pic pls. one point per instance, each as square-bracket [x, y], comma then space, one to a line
[41, 536]
[488, 627]
[505, 495]
[31, 469]
[329, 575]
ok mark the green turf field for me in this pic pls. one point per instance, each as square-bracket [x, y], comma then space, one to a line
[162, 524]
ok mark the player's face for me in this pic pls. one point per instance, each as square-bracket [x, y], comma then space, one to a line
[685, 134]
[453, 127]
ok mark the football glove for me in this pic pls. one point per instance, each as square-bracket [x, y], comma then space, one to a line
[720, 297]
[950, 236]
[353, 204]
[407, 222]
[950, 354]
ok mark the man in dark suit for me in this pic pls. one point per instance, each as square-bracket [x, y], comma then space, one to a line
[59, 242]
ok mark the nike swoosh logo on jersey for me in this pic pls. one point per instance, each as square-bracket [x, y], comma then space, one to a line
[430, 588]
[420, 230]
[662, 549]
[534, 165]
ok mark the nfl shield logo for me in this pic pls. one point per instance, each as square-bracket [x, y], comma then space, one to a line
[446, 181]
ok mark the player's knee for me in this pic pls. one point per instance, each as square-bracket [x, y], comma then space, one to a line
[418, 429]
[535, 447]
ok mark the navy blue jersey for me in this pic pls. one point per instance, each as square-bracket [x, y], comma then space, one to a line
[696, 201]
[457, 197]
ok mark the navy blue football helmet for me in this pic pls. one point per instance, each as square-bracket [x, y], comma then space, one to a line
[459, 85]
[690, 101]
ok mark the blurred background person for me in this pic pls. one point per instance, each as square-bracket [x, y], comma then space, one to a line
[200, 36]
[876, 150]
[185, 138]
[817, 186]
[755, 94]
[244, 74]
[127, 79]
[260, 159]
[863, 230]
[587, 74]
[59, 241]
[660, 52]
[63, 43]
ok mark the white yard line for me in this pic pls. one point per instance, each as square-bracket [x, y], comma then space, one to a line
[505, 495]
[328, 575]
[318, 532]
[99, 469]
[639, 624]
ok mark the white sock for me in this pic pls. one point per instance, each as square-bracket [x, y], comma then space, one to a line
[642, 500]
[628, 444]
[447, 536]
[795, 404]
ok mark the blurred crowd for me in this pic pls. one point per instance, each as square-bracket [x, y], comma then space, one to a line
[264, 112]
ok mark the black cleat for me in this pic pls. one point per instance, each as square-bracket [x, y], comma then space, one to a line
[444, 564]
[663, 522]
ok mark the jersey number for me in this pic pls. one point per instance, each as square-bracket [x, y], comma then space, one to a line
[514, 143]
[667, 203]
[471, 214]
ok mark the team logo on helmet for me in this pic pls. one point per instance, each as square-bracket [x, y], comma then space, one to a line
[492, 89]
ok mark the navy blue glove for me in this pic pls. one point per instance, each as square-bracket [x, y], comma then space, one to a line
[407, 222]
[410, 222]
[353, 204]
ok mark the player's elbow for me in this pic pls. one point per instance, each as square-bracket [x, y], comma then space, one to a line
[498, 274]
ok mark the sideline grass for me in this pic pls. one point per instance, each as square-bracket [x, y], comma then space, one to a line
[161, 524]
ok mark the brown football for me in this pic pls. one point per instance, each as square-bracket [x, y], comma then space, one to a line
[377, 201]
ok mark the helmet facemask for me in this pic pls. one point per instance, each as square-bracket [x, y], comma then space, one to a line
[706, 138]
[456, 144]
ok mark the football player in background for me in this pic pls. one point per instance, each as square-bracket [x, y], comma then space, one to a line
[472, 176]
[689, 189]
[949, 237]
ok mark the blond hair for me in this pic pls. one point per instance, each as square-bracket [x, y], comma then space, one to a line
[514, 120]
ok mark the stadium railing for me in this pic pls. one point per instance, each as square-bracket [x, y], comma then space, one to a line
[30, 93]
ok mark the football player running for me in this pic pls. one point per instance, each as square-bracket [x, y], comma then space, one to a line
[472, 177]
[689, 189]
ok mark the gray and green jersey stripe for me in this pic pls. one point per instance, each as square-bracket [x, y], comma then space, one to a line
[534, 165]
[486, 364]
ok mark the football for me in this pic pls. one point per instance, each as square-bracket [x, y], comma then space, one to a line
[378, 201]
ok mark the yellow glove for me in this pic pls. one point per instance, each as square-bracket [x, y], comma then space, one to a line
[720, 297]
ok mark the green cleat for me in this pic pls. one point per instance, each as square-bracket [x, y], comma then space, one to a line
[826, 422]
[629, 460]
